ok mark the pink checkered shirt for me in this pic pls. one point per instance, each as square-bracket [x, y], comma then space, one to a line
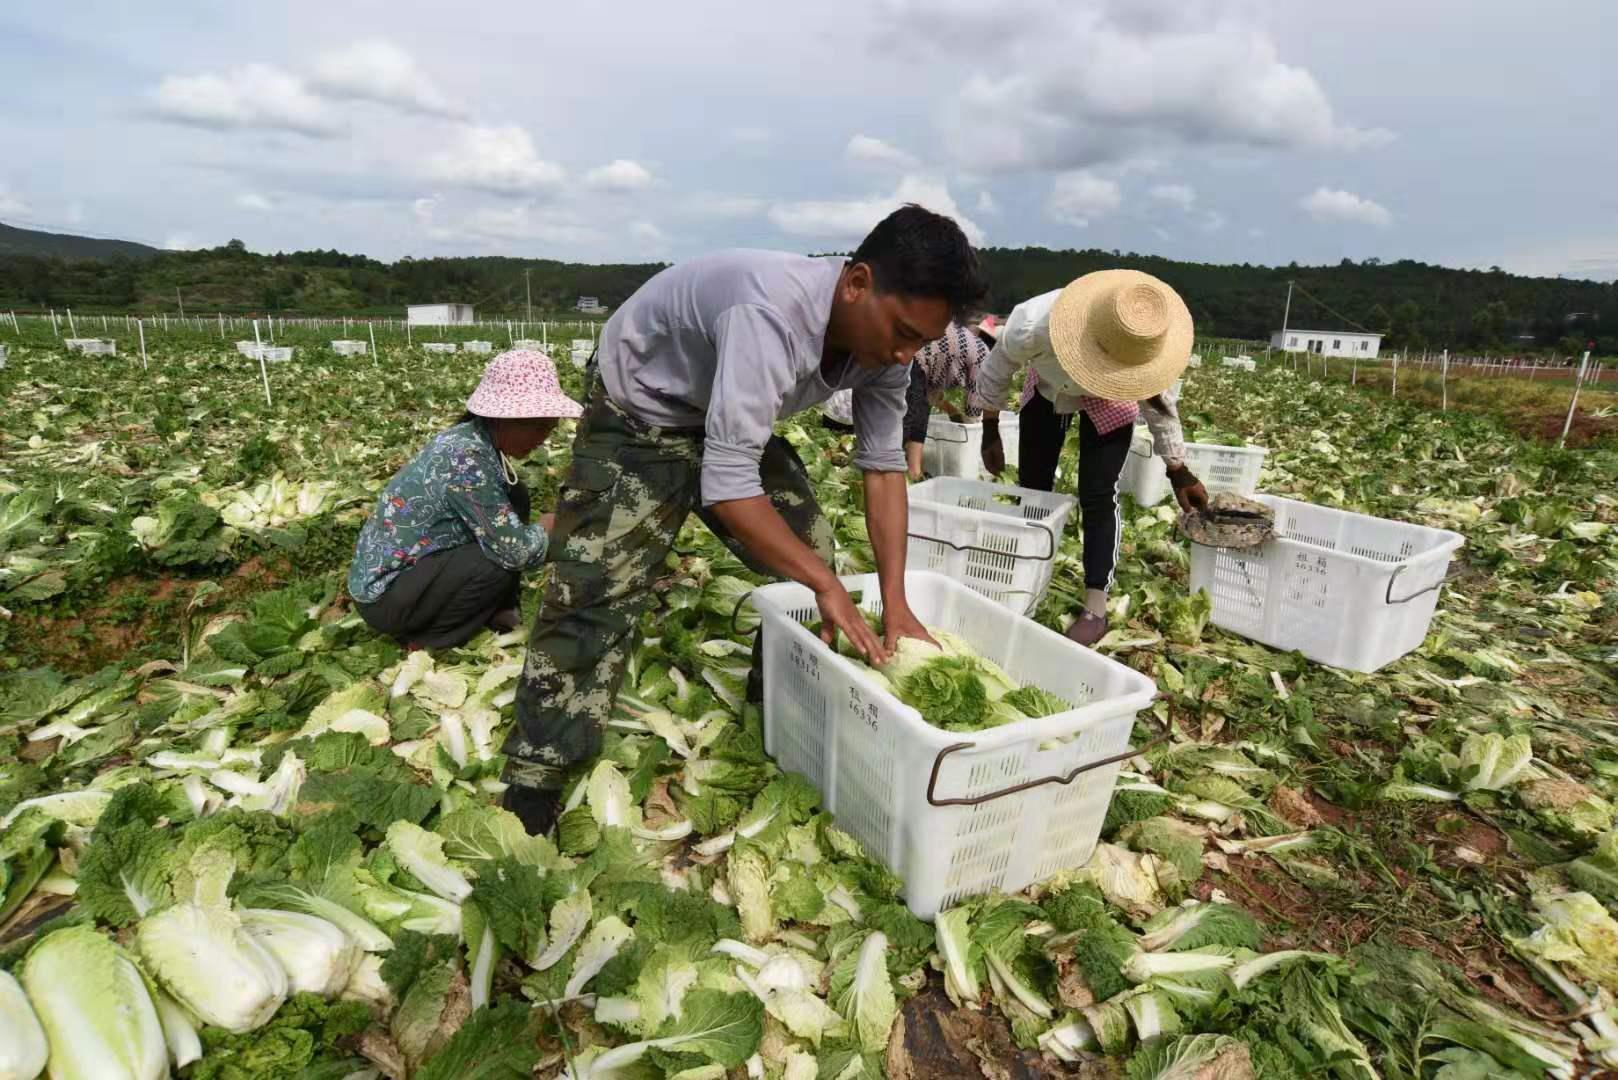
[1106, 415]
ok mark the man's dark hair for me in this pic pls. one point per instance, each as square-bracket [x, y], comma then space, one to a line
[915, 252]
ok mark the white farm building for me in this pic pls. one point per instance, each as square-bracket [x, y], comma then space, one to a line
[439, 314]
[1345, 343]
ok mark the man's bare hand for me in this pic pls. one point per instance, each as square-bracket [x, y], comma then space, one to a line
[548, 523]
[902, 623]
[839, 613]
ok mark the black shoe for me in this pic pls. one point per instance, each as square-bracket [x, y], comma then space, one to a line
[536, 808]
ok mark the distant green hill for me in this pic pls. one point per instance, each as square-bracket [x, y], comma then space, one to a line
[1416, 305]
[15, 241]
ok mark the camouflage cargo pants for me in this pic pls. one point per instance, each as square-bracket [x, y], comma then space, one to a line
[626, 496]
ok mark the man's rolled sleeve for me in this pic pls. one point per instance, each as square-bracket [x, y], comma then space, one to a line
[879, 415]
[1168, 437]
[752, 377]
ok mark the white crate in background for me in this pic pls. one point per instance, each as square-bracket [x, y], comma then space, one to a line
[248, 349]
[1344, 589]
[890, 777]
[999, 540]
[350, 348]
[530, 344]
[953, 449]
[2, 357]
[1244, 363]
[477, 346]
[1220, 468]
[1194, 361]
[581, 351]
[440, 346]
[90, 346]
[276, 354]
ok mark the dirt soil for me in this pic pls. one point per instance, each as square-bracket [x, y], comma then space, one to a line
[137, 614]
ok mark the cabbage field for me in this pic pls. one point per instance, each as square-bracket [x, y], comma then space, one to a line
[241, 836]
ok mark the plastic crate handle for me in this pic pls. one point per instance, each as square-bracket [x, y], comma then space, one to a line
[1387, 596]
[958, 442]
[1067, 778]
[1050, 544]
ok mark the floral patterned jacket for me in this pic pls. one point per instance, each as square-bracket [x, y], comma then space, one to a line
[452, 493]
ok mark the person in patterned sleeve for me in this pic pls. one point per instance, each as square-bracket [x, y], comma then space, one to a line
[1106, 348]
[443, 553]
[951, 361]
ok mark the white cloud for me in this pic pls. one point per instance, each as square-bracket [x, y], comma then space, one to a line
[500, 160]
[1078, 196]
[621, 175]
[648, 238]
[720, 207]
[246, 97]
[380, 72]
[252, 200]
[866, 150]
[986, 203]
[1181, 195]
[851, 219]
[507, 228]
[1333, 204]
[1094, 86]
[12, 205]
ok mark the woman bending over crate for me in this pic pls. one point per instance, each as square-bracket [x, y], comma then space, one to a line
[1107, 347]
[949, 363]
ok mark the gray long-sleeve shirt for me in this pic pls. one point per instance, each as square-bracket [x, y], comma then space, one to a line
[731, 342]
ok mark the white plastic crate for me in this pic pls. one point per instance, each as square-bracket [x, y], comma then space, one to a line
[2, 357]
[276, 354]
[477, 346]
[528, 343]
[999, 540]
[350, 348]
[1244, 363]
[953, 449]
[440, 346]
[954, 814]
[581, 351]
[1220, 468]
[1344, 589]
[248, 349]
[90, 346]
[1195, 361]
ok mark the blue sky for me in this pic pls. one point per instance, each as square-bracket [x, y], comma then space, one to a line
[1469, 134]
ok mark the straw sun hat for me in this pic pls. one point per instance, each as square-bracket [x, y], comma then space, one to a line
[521, 384]
[1118, 334]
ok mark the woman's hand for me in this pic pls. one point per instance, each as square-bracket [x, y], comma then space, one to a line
[548, 523]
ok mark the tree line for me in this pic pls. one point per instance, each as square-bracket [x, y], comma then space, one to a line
[1415, 305]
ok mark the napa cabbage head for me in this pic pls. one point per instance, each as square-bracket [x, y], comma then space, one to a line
[94, 1008]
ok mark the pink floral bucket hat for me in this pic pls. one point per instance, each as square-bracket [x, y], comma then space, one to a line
[521, 384]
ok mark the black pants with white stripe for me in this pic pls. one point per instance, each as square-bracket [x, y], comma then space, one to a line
[1041, 433]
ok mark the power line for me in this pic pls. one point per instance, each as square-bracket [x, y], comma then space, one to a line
[1335, 312]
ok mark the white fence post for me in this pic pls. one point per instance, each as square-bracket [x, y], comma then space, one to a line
[1443, 380]
[141, 330]
[262, 370]
[1578, 381]
[375, 359]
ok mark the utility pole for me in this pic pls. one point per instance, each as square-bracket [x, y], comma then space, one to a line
[528, 290]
